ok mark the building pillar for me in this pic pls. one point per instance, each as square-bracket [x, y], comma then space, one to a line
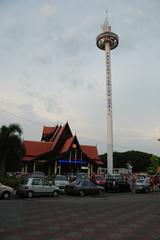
[59, 169]
[55, 168]
[88, 169]
[26, 168]
[49, 170]
[23, 169]
[91, 170]
[34, 166]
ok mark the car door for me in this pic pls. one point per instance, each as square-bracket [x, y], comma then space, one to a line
[93, 189]
[46, 187]
[36, 186]
[85, 187]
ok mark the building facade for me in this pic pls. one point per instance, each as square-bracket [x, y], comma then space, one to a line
[59, 152]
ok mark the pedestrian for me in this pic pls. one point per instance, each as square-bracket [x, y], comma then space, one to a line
[155, 183]
[129, 167]
[133, 184]
[151, 182]
[93, 177]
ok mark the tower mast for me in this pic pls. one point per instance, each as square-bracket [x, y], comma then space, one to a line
[107, 41]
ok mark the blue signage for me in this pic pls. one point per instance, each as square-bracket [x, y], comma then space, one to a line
[66, 161]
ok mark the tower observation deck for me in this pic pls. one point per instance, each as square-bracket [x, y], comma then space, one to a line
[107, 41]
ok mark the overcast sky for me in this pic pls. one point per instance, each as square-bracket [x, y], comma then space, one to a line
[52, 72]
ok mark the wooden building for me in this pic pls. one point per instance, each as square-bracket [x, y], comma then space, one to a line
[59, 152]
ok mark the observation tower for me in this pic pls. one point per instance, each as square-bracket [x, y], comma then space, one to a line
[107, 41]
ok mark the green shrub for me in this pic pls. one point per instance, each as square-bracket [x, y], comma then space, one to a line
[10, 181]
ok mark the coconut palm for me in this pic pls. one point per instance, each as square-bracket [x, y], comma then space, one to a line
[11, 146]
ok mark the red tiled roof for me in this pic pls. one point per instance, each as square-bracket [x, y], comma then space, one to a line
[58, 136]
[34, 149]
[91, 152]
[48, 130]
[67, 145]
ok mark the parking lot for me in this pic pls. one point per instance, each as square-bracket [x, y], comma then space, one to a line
[111, 216]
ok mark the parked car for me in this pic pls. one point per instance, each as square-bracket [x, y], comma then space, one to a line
[100, 179]
[37, 187]
[77, 176]
[22, 175]
[60, 181]
[38, 175]
[117, 185]
[115, 176]
[6, 192]
[83, 187]
[142, 185]
[141, 175]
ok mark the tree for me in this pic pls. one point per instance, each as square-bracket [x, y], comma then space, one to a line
[11, 148]
[153, 164]
[139, 160]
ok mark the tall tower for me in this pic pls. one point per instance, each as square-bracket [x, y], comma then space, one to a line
[107, 41]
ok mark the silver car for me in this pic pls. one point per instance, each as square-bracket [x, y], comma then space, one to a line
[6, 192]
[61, 181]
[142, 185]
[37, 187]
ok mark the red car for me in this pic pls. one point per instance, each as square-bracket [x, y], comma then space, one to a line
[100, 179]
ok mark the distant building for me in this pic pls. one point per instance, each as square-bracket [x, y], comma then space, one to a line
[59, 152]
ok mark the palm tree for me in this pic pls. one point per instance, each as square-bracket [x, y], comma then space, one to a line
[11, 145]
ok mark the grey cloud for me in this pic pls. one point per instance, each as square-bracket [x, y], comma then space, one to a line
[43, 58]
[50, 103]
[75, 82]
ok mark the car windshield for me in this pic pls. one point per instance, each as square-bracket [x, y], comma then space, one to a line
[99, 177]
[140, 181]
[61, 177]
[38, 174]
[83, 176]
[114, 176]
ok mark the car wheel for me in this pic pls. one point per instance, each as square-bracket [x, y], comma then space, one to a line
[6, 195]
[81, 193]
[55, 194]
[30, 194]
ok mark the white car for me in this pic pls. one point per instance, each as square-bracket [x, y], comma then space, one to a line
[142, 185]
[37, 187]
[61, 181]
[6, 192]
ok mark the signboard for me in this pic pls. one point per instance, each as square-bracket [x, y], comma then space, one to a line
[83, 167]
[66, 161]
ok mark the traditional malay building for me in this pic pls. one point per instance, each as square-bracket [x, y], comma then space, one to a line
[59, 152]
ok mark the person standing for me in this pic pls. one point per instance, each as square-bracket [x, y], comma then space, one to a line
[155, 183]
[129, 167]
[93, 177]
[151, 182]
[133, 184]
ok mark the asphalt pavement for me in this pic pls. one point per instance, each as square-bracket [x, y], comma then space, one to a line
[113, 216]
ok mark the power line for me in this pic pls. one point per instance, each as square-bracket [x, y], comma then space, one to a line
[20, 117]
[40, 124]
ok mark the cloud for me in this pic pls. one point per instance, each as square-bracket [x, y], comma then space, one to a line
[43, 102]
[51, 69]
